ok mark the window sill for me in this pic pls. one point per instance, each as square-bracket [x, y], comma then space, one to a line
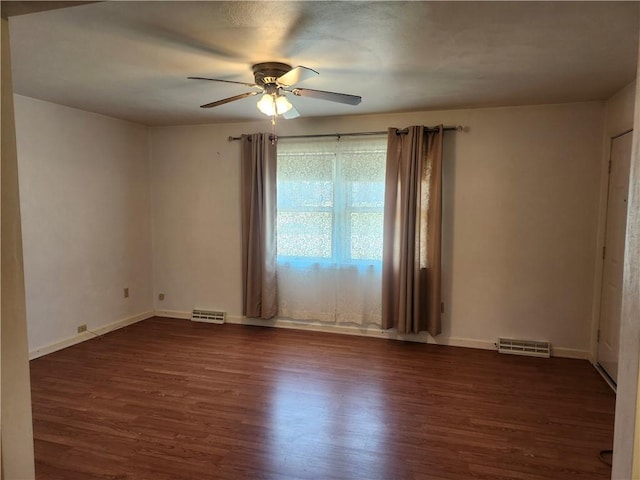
[315, 263]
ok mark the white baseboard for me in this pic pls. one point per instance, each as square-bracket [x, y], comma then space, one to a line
[372, 332]
[296, 325]
[571, 353]
[605, 376]
[81, 337]
[173, 314]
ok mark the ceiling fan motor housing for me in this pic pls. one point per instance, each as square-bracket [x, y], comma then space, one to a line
[267, 73]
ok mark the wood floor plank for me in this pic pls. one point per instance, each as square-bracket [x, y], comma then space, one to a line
[168, 399]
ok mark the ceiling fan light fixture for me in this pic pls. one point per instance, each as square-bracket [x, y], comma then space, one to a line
[267, 105]
[273, 104]
[283, 105]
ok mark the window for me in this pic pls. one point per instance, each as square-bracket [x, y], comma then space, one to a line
[331, 199]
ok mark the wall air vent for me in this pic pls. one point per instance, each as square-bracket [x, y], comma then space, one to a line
[207, 316]
[529, 348]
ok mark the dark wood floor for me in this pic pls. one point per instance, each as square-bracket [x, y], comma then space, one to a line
[170, 399]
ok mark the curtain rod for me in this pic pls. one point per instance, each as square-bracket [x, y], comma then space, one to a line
[457, 128]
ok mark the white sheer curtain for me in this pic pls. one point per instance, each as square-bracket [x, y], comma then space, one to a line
[329, 229]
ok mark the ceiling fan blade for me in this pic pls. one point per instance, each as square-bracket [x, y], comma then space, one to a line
[293, 113]
[225, 81]
[230, 99]
[296, 75]
[330, 96]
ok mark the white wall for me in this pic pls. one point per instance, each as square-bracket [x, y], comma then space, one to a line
[196, 218]
[626, 442]
[84, 191]
[521, 217]
[619, 110]
[16, 444]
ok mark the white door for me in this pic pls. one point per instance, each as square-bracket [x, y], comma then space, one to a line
[613, 254]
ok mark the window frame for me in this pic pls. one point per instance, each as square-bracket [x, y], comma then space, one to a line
[341, 237]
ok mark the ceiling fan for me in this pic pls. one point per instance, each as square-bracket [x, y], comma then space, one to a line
[274, 80]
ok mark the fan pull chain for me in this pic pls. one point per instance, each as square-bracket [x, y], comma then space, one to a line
[273, 129]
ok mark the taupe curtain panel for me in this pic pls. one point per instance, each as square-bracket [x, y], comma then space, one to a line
[258, 190]
[411, 286]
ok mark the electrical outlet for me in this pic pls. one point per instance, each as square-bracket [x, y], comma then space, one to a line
[82, 328]
[126, 292]
[161, 296]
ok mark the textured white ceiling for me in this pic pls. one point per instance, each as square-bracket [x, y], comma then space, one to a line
[131, 60]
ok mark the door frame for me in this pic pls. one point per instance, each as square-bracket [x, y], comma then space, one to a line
[599, 263]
